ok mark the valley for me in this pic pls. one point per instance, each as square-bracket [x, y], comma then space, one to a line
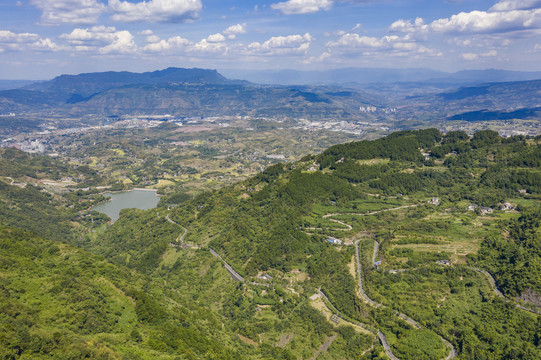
[332, 223]
[366, 249]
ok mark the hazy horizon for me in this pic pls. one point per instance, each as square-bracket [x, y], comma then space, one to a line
[46, 38]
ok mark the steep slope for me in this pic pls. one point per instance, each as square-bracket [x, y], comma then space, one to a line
[60, 302]
[490, 101]
[292, 233]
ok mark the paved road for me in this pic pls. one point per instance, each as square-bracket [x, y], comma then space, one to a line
[335, 310]
[491, 281]
[235, 275]
[375, 255]
[497, 291]
[360, 277]
[349, 227]
[386, 346]
[371, 212]
[180, 239]
[452, 352]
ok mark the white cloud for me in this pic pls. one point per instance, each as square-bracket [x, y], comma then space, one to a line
[302, 6]
[173, 11]
[473, 56]
[216, 38]
[152, 39]
[122, 44]
[150, 36]
[175, 42]
[95, 35]
[390, 45]
[101, 38]
[69, 11]
[7, 36]
[235, 30]
[507, 5]
[45, 44]
[279, 45]
[469, 56]
[407, 26]
[25, 41]
[488, 22]
[212, 44]
[205, 46]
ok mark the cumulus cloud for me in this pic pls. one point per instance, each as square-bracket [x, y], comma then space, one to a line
[216, 38]
[391, 45]
[473, 56]
[507, 5]
[504, 16]
[173, 11]
[69, 11]
[488, 22]
[175, 42]
[302, 6]
[122, 44]
[206, 46]
[235, 30]
[408, 26]
[7, 36]
[104, 39]
[212, 44]
[25, 41]
[280, 45]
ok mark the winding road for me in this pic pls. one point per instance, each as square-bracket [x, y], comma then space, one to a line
[348, 226]
[375, 255]
[235, 275]
[415, 324]
[180, 239]
[497, 291]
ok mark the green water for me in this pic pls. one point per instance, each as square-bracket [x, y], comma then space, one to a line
[140, 199]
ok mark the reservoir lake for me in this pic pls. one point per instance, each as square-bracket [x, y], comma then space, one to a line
[140, 199]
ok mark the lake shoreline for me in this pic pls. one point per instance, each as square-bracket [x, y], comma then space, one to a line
[138, 201]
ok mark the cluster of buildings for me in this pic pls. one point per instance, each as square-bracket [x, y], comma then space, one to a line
[373, 109]
[350, 127]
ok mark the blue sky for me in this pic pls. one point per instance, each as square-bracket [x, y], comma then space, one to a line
[40, 39]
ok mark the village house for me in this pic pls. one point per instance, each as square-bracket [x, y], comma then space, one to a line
[266, 277]
[334, 241]
[486, 210]
[443, 262]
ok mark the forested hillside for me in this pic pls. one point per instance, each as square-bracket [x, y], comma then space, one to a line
[399, 238]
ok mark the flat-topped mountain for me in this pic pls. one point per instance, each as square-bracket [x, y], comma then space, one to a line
[90, 83]
[182, 92]
[202, 92]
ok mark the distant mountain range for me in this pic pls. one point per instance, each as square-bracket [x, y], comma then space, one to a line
[361, 76]
[92, 83]
[14, 84]
[202, 92]
[492, 101]
[181, 92]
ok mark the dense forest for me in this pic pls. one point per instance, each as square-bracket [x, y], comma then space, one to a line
[429, 213]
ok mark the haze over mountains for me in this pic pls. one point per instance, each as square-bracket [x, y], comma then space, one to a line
[379, 75]
[202, 92]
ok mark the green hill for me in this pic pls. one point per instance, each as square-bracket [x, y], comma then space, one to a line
[438, 208]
